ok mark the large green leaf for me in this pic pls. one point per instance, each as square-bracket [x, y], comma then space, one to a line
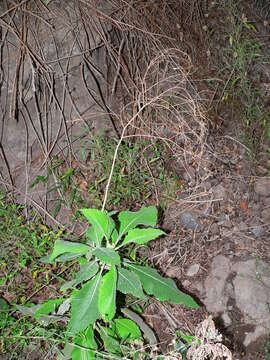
[148, 333]
[129, 283]
[62, 247]
[107, 255]
[28, 310]
[99, 220]
[69, 257]
[86, 272]
[142, 236]
[162, 288]
[129, 220]
[86, 345]
[127, 329]
[48, 307]
[95, 235]
[114, 236]
[84, 306]
[107, 294]
[111, 344]
[111, 227]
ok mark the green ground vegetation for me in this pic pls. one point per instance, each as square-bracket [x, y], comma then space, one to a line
[140, 176]
[246, 93]
[21, 276]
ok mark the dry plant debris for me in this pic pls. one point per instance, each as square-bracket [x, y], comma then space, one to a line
[210, 345]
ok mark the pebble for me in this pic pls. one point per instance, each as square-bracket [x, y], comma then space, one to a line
[262, 170]
[207, 185]
[189, 221]
[242, 226]
[258, 231]
[262, 186]
[186, 283]
[265, 215]
[220, 192]
[189, 175]
[214, 229]
[226, 319]
[173, 272]
[227, 224]
[193, 270]
[223, 217]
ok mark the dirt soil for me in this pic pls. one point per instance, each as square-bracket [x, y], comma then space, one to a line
[231, 216]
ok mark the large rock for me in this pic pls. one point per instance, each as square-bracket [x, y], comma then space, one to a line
[252, 290]
[215, 285]
[246, 285]
[262, 186]
[60, 96]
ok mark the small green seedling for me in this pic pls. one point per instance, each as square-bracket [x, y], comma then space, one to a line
[183, 342]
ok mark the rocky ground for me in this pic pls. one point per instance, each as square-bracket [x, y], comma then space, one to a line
[218, 246]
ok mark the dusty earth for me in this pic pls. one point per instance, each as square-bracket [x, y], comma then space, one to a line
[218, 226]
[218, 246]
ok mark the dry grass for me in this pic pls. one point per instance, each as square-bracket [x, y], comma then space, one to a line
[156, 98]
[143, 84]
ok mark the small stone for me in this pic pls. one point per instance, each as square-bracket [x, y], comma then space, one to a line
[227, 224]
[226, 319]
[262, 186]
[265, 216]
[223, 217]
[207, 185]
[228, 246]
[193, 270]
[258, 231]
[189, 221]
[256, 206]
[229, 291]
[220, 192]
[214, 229]
[189, 174]
[242, 226]
[262, 170]
[186, 283]
[173, 272]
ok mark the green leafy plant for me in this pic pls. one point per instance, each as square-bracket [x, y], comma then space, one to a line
[97, 320]
[183, 342]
